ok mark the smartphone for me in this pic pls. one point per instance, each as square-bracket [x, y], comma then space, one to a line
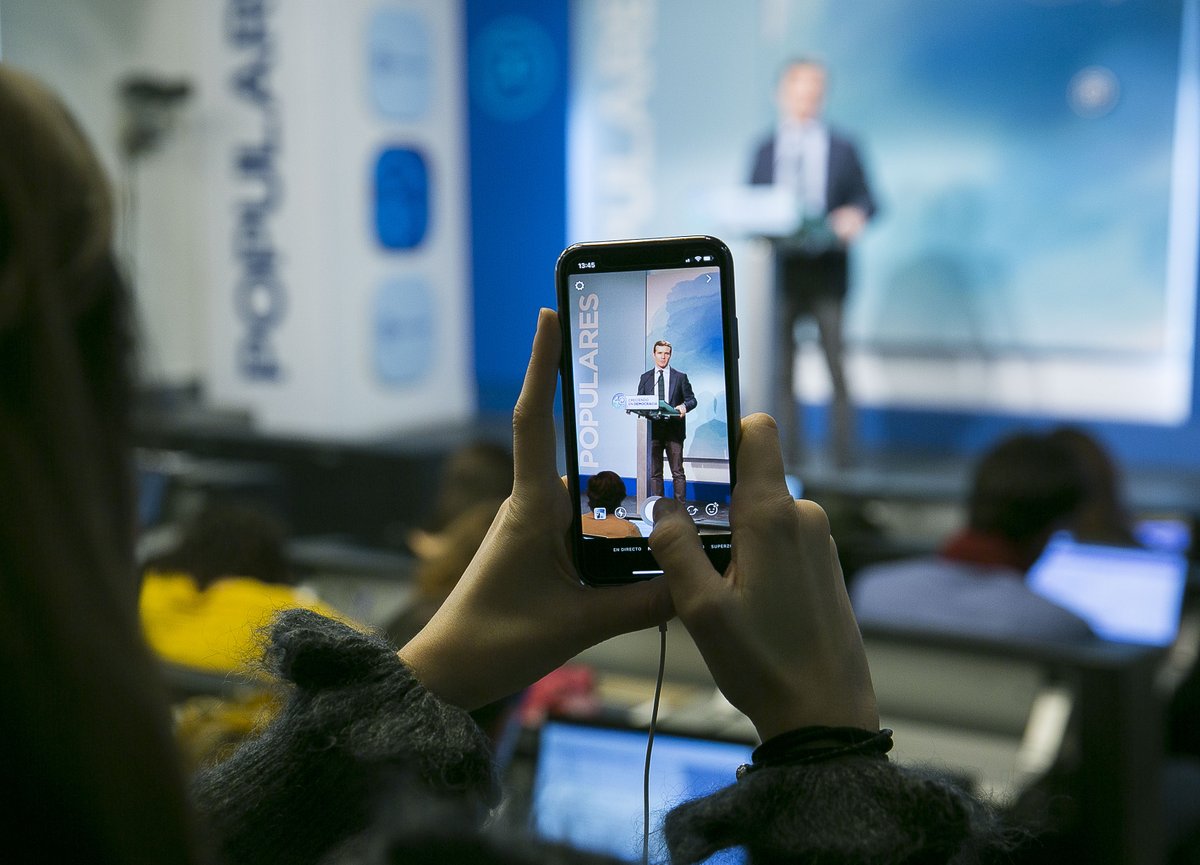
[650, 396]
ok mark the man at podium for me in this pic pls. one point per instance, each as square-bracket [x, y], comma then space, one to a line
[667, 434]
[823, 169]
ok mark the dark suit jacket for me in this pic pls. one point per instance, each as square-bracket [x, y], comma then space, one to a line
[845, 183]
[679, 392]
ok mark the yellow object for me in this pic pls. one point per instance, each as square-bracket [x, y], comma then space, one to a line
[221, 629]
[209, 729]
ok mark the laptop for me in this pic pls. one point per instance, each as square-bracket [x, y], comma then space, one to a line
[587, 785]
[1126, 594]
[1171, 533]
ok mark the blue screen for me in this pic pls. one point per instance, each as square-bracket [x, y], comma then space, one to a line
[1126, 595]
[588, 785]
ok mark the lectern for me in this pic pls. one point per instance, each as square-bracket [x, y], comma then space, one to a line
[647, 408]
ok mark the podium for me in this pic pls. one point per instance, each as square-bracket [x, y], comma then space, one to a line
[647, 408]
[773, 212]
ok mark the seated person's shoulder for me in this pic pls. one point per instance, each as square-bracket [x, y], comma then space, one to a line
[947, 597]
[610, 527]
[872, 581]
[630, 530]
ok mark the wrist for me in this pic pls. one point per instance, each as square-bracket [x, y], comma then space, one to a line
[815, 744]
[783, 716]
[436, 672]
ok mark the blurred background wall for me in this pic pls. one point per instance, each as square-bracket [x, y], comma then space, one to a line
[346, 224]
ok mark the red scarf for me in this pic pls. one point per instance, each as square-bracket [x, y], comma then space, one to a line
[979, 548]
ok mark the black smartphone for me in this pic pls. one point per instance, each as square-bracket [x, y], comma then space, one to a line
[650, 396]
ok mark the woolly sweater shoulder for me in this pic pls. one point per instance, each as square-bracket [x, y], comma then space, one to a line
[355, 723]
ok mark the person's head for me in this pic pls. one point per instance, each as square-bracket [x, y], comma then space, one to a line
[87, 711]
[1103, 516]
[231, 540]
[801, 92]
[475, 481]
[65, 323]
[479, 472]
[605, 490]
[662, 353]
[1024, 489]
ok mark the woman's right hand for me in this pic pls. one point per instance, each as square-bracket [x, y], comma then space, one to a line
[520, 610]
[776, 630]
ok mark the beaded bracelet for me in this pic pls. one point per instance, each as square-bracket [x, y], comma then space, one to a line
[811, 745]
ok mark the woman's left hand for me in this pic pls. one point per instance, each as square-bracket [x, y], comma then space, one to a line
[520, 610]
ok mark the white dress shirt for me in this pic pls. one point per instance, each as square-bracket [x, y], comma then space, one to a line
[802, 162]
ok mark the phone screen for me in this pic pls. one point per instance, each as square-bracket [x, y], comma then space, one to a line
[650, 396]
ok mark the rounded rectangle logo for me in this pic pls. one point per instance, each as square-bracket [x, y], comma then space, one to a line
[404, 330]
[400, 64]
[401, 187]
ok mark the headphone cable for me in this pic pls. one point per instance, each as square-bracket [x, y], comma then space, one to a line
[662, 663]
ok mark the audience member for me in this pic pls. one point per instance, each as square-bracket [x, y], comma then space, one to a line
[474, 482]
[1102, 517]
[606, 490]
[91, 773]
[480, 473]
[1024, 489]
[204, 605]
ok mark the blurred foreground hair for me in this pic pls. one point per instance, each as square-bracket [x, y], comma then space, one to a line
[93, 774]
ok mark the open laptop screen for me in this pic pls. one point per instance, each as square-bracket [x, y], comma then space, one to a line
[1126, 595]
[587, 788]
[1168, 534]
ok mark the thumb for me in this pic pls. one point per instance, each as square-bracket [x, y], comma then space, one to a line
[635, 607]
[675, 544]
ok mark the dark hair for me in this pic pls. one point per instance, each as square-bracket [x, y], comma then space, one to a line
[605, 490]
[1024, 488]
[662, 342]
[480, 472]
[230, 540]
[87, 724]
[1103, 516]
[65, 323]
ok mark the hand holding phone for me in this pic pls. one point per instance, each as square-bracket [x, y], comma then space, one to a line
[776, 629]
[650, 396]
[520, 609]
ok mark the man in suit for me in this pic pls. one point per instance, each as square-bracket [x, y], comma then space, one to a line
[824, 170]
[667, 434]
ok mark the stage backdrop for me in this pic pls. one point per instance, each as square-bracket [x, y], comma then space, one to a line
[336, 211]
[1035, 163]
[620, 362]
[687, 314]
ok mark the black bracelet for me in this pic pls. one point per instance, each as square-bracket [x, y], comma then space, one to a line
[813, 745]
